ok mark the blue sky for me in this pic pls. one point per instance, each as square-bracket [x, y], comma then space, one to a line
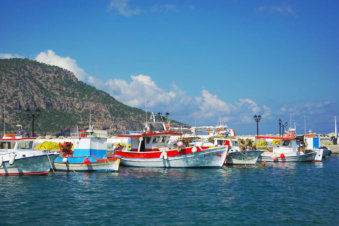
[202, 61]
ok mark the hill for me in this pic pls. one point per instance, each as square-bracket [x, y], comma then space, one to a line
[63, 100]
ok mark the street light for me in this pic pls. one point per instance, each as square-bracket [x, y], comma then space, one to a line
[279, 127]
[160, 116]
[167, 116]
[257, 119]
[283, 127]
[33, 114]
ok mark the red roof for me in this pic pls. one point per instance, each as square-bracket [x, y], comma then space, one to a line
[15, 139]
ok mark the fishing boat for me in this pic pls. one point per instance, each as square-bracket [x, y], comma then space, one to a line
[286, 149]
[17, 157]
[89, 154]
[236, 156]
[312, 141]
[151, 148]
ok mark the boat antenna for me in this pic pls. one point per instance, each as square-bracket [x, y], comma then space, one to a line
[4, 120]
[145, 113]
[335, 127]
[304, 124]
[90, 120]
[290, 120]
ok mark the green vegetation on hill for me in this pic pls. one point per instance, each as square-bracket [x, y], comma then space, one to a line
[64, 100]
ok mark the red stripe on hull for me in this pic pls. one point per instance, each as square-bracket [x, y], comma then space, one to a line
[155, 154]
[108, 159]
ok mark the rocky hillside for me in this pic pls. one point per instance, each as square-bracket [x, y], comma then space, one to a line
[64, 101]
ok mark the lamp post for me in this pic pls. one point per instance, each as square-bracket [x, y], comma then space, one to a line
[160, 116]
[257, 119]
[167, 116]
[283, 128]
[279, 127]
[33, 114]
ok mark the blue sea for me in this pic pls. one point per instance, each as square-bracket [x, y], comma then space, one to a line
[277, 194]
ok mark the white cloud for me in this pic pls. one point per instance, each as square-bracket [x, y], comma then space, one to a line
[140, 91]
[267, 112]
[49, 57]
[305, 108]
[281, 9]
[206, 109]
[122, 7]
[9, 56]
[248, 104]
[211, 106]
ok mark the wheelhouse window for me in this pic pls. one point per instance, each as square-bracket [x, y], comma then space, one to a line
[25, 145]
[234, 143]
[7, 145]
[220, 142]
[286, 143]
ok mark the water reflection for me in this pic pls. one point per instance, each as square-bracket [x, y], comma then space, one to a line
[319, 165]
[283, 165]
[169, 173]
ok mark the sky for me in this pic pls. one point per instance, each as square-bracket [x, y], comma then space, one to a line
[201, 61]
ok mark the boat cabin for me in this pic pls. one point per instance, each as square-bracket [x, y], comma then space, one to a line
[14, 143]
[91, 142]
[151, 141]
[287, 145]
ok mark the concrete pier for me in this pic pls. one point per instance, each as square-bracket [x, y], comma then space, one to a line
[334, 148]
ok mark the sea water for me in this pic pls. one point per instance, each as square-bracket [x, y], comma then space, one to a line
[279, 194]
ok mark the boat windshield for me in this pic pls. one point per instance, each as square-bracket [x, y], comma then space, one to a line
[7, 145]
[285, 143]
[234, 143]
[26, 144]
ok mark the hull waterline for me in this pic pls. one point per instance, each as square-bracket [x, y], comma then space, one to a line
[308, 157]
[209, 158]
[35, 165]
[243, 158]
[107, 166]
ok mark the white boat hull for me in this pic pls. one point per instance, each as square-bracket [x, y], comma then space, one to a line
[243, 157]
[209, 158]
[268, 157]
[33, 165]
[109, 166]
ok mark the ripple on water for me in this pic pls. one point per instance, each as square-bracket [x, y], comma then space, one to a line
[280, 193]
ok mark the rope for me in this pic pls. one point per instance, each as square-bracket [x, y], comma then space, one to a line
[50, 163]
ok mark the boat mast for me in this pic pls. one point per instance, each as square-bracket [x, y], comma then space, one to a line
[90, 127]
[146, 125]
[335, 127]
[304, 124]
[4, 120]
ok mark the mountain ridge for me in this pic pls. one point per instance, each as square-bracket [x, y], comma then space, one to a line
[64, 101]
